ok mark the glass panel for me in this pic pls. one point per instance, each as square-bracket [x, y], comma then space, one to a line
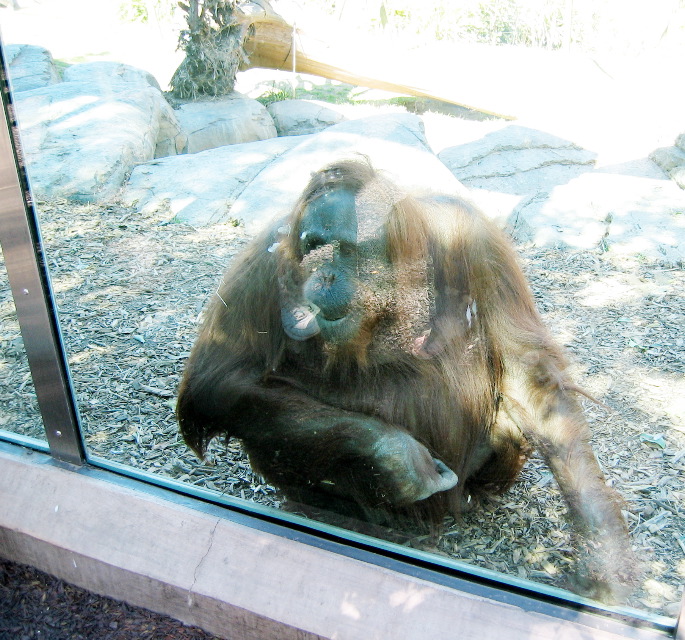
[20, 414]
[361, 317]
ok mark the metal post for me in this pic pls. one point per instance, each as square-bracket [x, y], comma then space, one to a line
[30, 284]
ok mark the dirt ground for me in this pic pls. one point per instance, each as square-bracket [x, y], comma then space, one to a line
[34, 605]
[130, 290]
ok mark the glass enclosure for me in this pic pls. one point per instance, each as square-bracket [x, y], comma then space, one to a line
[142, 208]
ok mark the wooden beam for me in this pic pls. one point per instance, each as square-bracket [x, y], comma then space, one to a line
[203, 567]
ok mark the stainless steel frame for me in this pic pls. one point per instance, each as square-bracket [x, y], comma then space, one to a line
[30, 284]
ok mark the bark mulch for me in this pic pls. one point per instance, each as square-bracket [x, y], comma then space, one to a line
[36, 605]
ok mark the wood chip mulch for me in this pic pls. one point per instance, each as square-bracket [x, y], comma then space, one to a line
[35, 605]
[130, 288]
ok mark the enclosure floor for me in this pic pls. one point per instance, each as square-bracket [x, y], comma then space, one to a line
[36, 605]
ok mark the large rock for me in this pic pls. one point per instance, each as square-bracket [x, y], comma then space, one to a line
[511, 172]
[233, 119]
[515, 166]
[620, 213]
[82, 137]
[260, 181]
[668, 158]
[111, 77]
[302, 117]
[672, 160]
[105, 74]
[199, 188]
[517, 160]
[678, 176]
[645, 216]
[545, 190]
[395, 144]
[30, 67]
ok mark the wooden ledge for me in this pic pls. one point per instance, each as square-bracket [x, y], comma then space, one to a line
[234, 580]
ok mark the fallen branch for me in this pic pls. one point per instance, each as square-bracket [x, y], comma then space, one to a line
[273, 43]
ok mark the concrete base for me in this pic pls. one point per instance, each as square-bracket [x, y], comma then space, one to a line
[203, 567]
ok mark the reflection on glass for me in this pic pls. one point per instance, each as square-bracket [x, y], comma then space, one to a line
[143, 205]
[20, 412]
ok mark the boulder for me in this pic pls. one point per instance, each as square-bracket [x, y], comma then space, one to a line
[199, 188]
[395, 144]
[233, 119]
[622, 214]
[680, 142]
[114, 76]
[259, 181]
[517, 160]
[110, 74]
[678, 176]
[30, 67]
[645, 217]
[668, 158]
[671, 160]
[546, 190]
[511, 172]
[82, 137]
[171, 140]
[302, 117]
